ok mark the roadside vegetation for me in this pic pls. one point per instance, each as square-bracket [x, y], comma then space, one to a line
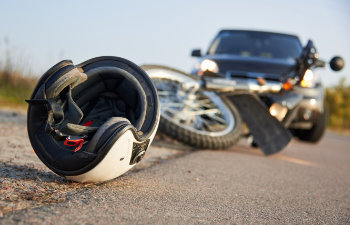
[14, 88]
[338, 103]
[16, 80]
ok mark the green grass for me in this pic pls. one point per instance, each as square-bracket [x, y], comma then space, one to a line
[15, 88]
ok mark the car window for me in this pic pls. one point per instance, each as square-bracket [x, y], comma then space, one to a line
[257, 44]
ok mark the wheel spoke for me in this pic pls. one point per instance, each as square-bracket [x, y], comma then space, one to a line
[172, 104]
[165, 93]
[204, 112]
[197, 111]
[212, 124]
[217, 118]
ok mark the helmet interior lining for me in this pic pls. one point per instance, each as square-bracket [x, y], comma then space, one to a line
[111, 92]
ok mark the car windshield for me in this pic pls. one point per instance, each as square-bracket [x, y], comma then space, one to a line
[256, 44]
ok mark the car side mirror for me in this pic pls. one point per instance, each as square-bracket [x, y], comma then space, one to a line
[196, 53]
[311, 51]
[337, 63]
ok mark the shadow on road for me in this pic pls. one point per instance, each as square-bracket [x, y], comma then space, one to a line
[27, 172]
[241, 147]
[23, 186]
[245, 149]
[164, 141]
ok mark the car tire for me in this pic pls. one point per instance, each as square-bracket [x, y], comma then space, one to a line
[317, 131]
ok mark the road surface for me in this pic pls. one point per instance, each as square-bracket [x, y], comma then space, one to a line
[304, 184]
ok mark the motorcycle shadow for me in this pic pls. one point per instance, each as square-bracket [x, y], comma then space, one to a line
[163, 141]
[242, 147]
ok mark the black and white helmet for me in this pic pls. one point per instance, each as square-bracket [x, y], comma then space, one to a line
[94, 121]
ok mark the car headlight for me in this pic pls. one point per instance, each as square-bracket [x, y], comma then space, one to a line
[279, 111]
[309, 79]
[209, 65]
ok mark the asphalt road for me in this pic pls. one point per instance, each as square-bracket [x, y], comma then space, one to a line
[304, 184]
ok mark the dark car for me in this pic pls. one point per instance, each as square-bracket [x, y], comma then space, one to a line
[270, 57]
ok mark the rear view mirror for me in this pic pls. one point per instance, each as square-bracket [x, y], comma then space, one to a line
[320, 63]
[337, 63]
[196, 53]
[310, 51]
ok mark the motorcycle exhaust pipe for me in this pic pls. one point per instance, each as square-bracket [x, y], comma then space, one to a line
[238, 84]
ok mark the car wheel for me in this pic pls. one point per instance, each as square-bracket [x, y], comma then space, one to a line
[316, 132]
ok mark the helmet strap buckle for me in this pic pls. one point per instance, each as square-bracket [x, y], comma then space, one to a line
[74, 141]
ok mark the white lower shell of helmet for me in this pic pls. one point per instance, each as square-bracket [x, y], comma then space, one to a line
[115, 163]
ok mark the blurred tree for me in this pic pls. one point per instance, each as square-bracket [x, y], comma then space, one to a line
[338, 103]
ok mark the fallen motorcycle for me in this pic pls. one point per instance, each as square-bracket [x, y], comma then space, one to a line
[207, 109]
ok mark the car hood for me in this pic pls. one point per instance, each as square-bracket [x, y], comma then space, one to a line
[240, 66]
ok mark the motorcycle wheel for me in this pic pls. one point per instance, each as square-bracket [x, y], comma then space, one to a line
[198, 118]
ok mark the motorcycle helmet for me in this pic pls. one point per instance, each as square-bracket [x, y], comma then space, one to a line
[94, 121]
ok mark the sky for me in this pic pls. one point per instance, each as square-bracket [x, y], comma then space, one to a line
[38, 34]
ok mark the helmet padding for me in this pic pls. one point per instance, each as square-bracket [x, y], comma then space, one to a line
[104, 132]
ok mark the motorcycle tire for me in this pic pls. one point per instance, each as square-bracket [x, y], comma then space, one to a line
[188, 121]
